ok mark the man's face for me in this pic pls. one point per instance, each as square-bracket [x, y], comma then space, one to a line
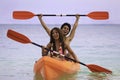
[65, 30]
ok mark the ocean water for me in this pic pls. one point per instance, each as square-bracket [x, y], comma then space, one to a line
[93, 44]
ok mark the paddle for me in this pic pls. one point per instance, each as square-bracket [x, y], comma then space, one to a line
[23, 39]
[98, 15]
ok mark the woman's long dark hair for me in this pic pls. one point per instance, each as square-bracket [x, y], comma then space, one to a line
[52, 40]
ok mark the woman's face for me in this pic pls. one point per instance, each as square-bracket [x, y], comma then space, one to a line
[65, 30]
[55, 34]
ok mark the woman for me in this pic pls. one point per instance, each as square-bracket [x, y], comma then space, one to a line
[66, 27]
[57, 44]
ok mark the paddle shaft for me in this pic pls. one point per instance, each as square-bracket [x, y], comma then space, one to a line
[40, 46]
[75, 61]
[58, 15]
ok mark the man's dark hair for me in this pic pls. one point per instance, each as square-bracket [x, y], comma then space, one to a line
[66, 24]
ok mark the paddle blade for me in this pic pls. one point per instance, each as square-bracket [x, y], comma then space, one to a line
[98, 15]
[22, 15]
[96, 68]
[17, 37]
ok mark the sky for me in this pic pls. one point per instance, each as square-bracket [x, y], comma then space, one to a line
[59, 7]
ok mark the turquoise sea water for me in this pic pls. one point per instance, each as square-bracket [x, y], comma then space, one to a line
[93, 44]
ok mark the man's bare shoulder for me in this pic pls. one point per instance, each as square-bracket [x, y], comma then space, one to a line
[67, 41]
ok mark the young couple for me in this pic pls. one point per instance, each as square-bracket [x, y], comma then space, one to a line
[59, 41]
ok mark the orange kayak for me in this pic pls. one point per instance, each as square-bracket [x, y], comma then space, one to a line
[47, 68]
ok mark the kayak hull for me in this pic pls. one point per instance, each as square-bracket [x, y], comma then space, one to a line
[48, 68]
